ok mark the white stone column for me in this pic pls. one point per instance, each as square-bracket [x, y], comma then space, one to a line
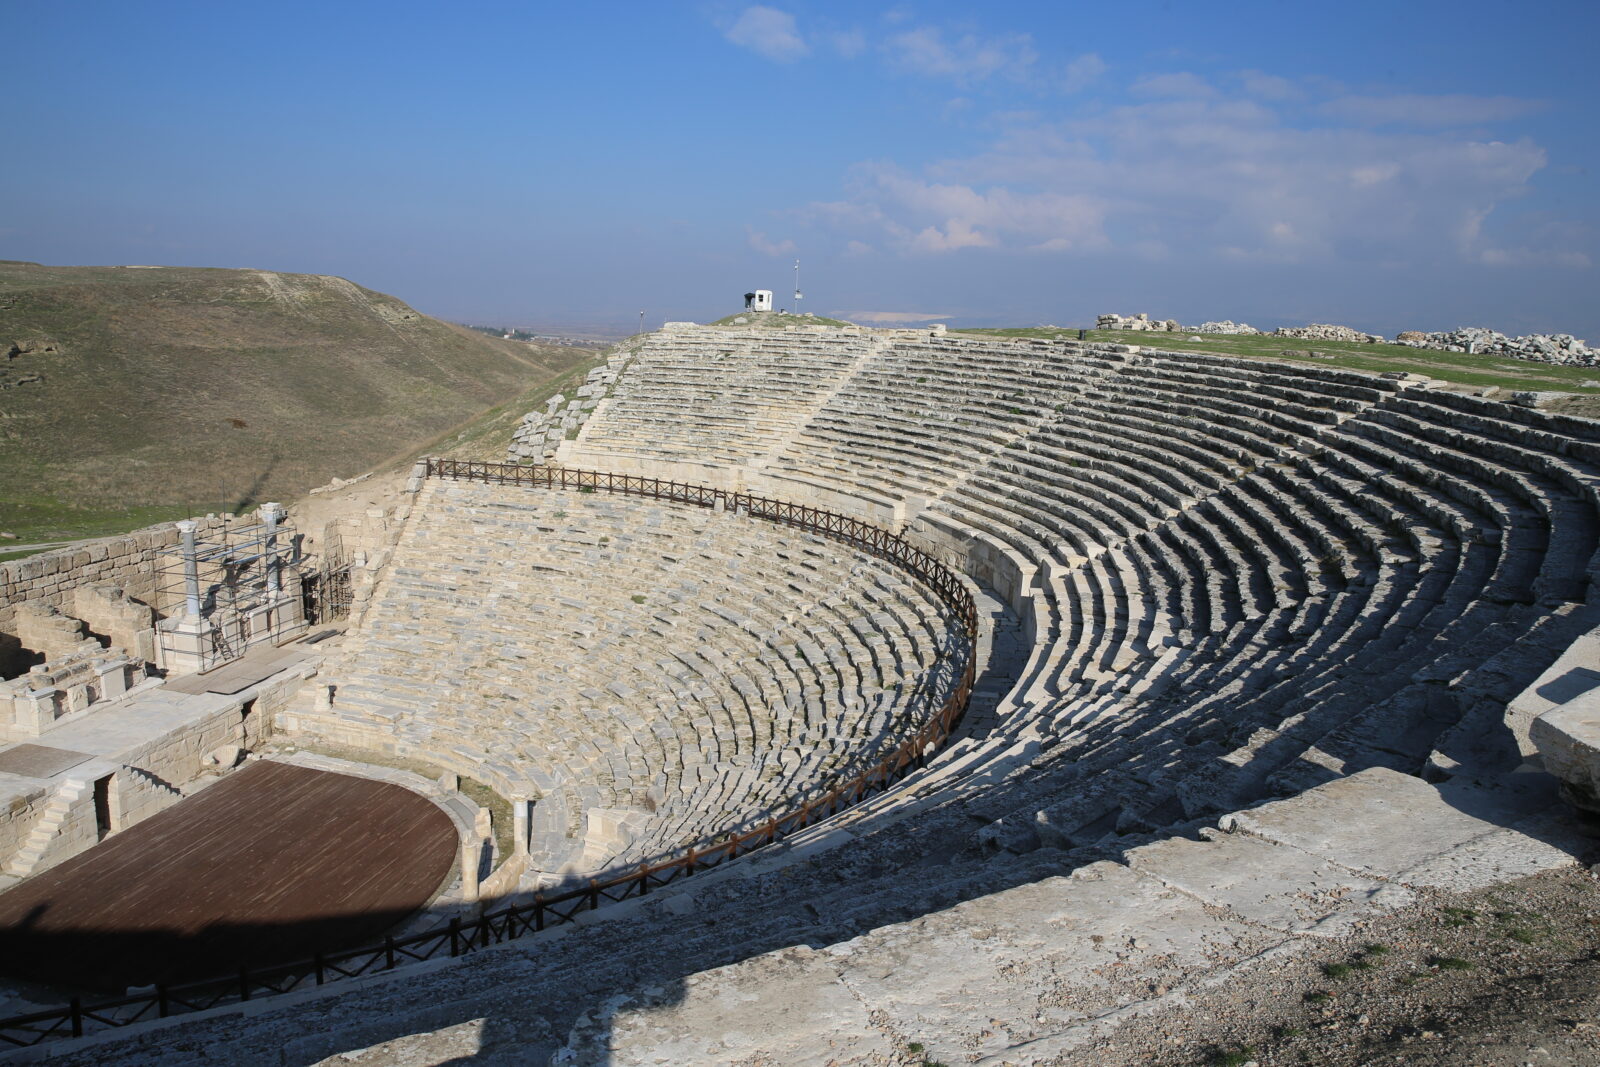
[191, 569]
[521, 812]
[270, 515]
[471, 856]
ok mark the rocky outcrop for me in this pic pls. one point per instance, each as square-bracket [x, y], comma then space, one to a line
[541, 432]
[12, 375]
[1321, 331]
[1559, 348]
[1140, 321]
[1226, 326]
[34, 347]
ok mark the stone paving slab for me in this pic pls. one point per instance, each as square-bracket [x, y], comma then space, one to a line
[256, 665]
[40, 761]
[1276, 885]
[1003, 970]
[1392, 826]
[787, 1007]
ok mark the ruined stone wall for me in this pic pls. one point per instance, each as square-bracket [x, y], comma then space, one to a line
[152, 776]
[20, 814]
[130, 562]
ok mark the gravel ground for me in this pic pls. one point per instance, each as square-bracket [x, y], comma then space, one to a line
[1505, 977]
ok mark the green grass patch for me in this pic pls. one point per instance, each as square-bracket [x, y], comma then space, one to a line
[44, 519]
[1457, 367]
[1450, 963]
[1318, 997]
[777, 320]
[1522, 927]
[1235, 1057]
[499, 807]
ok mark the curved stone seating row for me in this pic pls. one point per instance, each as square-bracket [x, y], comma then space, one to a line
[911, 420]
[656, 674]
[1257, 576]
[1404, 652]
[746, 386]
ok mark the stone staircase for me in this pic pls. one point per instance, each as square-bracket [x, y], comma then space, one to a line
[57, 815]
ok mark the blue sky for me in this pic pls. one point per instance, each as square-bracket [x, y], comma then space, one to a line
[1390, 166]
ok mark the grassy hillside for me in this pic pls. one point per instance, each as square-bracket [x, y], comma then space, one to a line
[133, 394]
[488, 436]
[1457, 367]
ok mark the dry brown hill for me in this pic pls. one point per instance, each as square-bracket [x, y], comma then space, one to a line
[131, 394]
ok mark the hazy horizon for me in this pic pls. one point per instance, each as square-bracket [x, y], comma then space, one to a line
[1389, 169]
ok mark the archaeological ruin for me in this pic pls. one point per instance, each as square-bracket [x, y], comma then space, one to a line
[898, 685]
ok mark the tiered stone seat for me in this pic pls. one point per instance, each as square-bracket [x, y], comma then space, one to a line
[746, 387]
[655, 674]
[912, 418]
[1247, 579]
[1392, 582]
[1253, 576]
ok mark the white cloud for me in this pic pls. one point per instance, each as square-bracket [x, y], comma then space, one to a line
[1179, 84]
[933, 217]
[760, 243]
[768, 32]
[1082, 72]
[1197, 176]
[848, 43]
[858, 248]
[1417, 110]
[1374, 173]
[965, 59]
[958, 233]
[1268, 86]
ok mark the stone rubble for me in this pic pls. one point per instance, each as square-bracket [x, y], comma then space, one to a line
[540, 433]
[1561, 348]
[1319, 331]
[1140, 322]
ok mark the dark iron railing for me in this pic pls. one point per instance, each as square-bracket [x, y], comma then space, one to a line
[462, 937]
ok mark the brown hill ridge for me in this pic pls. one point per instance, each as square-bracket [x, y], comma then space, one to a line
[129, 394]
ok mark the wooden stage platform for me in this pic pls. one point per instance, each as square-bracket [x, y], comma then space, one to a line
[269, 865]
